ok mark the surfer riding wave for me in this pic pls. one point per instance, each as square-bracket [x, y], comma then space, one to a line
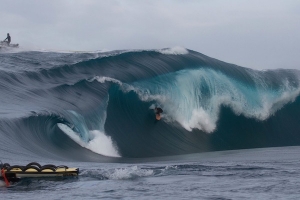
[158, 111]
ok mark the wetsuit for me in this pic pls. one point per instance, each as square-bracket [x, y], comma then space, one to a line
[8, 39]
[158, 111]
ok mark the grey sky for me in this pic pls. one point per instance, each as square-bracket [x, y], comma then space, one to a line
[259, 34]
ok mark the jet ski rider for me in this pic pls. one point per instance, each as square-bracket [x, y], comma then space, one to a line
[8, 38]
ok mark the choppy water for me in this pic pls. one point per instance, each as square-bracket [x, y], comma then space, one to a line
[271, 173]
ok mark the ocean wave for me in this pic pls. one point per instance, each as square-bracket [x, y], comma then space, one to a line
[101, 104]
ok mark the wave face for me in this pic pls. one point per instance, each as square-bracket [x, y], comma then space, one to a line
[98, 106]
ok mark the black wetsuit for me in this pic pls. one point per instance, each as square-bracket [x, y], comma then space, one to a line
[8, 39]
[158, 111]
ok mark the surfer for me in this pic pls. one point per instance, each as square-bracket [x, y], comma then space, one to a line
[8, 38]
[157, 112]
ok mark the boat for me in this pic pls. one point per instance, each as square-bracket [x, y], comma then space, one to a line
[15, 173]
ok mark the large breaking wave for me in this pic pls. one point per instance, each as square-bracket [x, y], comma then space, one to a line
[92, 106]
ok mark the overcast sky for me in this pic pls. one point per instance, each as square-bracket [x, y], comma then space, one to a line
[260, 34]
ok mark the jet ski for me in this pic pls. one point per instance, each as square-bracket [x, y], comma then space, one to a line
[15, 173]
[4, 45]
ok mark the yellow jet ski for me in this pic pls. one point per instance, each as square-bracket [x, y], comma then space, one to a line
[35, 170]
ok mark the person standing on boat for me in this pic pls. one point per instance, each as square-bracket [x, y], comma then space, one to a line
[8, 39]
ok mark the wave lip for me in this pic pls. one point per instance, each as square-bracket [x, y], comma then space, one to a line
[174, 51]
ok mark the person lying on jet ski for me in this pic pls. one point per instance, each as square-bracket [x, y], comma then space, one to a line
[8, 39]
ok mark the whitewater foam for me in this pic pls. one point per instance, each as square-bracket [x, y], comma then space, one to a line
[200, 120]
[129, 173]
[100, 143]
[174, 51]
[104, 79]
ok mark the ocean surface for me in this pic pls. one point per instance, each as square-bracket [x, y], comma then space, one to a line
[227, 132]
